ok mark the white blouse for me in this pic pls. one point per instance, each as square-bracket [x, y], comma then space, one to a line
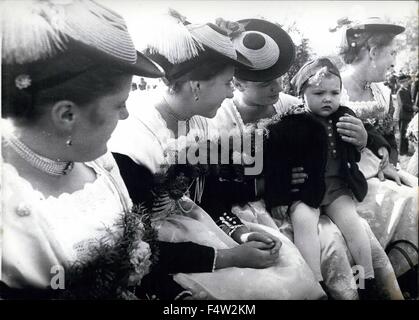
[43, 233]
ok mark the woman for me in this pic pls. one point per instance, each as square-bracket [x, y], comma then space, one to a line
[67, 218]
[198, 79]
[257, 96]
[390, 207]
[61, 90]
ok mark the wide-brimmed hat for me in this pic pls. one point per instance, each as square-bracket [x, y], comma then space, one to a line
[374, 24]
[179, 46]
[267, 46]
[53, 41]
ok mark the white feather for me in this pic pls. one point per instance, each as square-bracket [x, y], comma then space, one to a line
[39, 29]
[169, 37]
[27, 32]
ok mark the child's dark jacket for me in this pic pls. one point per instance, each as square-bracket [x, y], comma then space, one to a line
[300, 140]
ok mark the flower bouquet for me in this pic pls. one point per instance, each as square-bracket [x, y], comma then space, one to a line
[115, 264]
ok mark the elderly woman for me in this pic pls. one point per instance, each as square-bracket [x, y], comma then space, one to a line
[257, 96]
[390, 207]
[198, 78]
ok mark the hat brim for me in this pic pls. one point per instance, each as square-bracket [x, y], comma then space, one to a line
[143, 67]
[377, 27]
[286, 49]
[146, 67]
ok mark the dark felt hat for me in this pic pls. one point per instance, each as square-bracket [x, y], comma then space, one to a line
[374, 24]
[267, 46]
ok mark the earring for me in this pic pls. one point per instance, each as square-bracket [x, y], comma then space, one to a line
[69, 142]
[196, 97]
[373, 64]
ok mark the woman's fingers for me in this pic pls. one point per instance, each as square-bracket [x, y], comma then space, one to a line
[350, 119]
[352, 127]
[348, 126]
[391, 172]
[380, 175]
[383, 153]
[261, 237]
[351, 140]
[298, 176]
[297, 181]
[301, 175]
[347, 132]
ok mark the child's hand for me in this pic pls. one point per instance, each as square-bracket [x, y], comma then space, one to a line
[352, 131]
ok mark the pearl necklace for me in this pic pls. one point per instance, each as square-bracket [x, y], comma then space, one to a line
[51, 167]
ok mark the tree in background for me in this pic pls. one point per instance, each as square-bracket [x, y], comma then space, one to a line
[407, 46]
[303, 53]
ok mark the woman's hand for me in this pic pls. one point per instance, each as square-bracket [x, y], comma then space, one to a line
[386, 169]
[260, 250]
[266, 240]
[385, 158]
[298, 176]
[253, 254]
[269, 242]
[389, 171]
[352, 131]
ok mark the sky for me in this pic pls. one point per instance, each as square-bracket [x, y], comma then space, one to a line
[313, 18]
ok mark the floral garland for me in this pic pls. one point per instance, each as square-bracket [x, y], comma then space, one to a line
[374, 114]
[116, 264]
[180, 173]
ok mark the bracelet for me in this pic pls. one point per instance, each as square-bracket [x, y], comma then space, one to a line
[234, 229]
[245, 237]
[183, 294]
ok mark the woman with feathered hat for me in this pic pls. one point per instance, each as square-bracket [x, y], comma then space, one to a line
[199, 63]
[66, 214]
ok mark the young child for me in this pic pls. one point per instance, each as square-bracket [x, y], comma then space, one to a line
[334, 180]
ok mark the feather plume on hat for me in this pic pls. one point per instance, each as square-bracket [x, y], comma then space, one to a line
[31, 37]
[171, 38]
[45, 26]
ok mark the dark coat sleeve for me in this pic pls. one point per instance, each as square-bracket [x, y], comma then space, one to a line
[349, 156]
[295, 141]
[375, 140]
[172, 257]
[186, 257]
[220, 195]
